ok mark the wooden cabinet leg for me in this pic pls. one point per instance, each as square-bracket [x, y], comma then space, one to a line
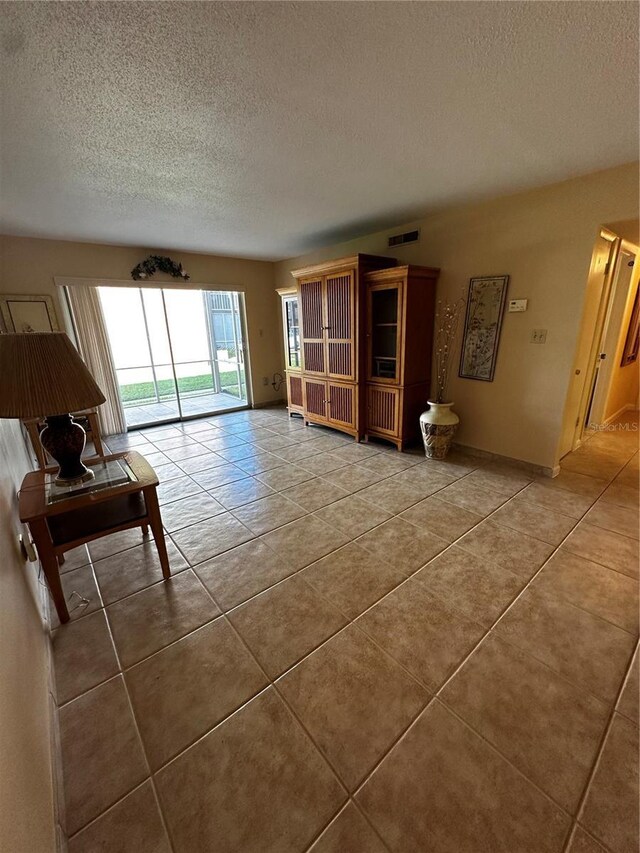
[40, 533]
[155, 520]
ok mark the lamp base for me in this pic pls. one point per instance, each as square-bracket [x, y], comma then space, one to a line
[64, 439]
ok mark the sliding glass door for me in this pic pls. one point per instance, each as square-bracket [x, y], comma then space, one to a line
[178, 353]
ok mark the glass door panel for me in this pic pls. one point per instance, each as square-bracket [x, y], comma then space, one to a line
[384, 333]
[178, 353]
[292, 330]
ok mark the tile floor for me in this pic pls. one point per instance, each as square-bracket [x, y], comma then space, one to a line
[359, 651]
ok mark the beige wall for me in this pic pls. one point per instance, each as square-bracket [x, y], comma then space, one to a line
[544, 240]
[27, 822]
[29, 266]
[623, 390]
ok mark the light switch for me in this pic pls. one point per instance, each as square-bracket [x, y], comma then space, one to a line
[516, 305]
[538, 336]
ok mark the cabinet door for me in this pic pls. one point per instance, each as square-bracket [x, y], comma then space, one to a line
[315, 398]
[383, 408]
[340, 325]
[294, 391]
[384, 333]
[312, 317]
[341, 404]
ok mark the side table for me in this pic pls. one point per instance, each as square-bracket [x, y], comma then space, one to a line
[121, 496]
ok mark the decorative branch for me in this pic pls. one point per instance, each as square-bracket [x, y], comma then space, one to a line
[155, 263]
[447, 323]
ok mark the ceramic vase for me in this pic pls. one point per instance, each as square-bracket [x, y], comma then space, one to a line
[438, 426]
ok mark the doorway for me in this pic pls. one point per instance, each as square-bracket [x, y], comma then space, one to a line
[178, 354]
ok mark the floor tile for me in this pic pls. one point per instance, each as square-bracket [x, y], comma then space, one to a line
[352, 515]
[443, 789]
[401, 542]
[83, 656]
[75, 559]
[353, 579]
[581, 484]
[183, 487]
[626, 496]
[295, 452]
[610, 811]
[315, 494]
[184, 690]
[610, 516]
[242, 573]
[219, 476]
[182, 513]
[588, 650]
[394, 495]
[81, 594]
[155, 458]
[557, 500]
[322, 463]
[241, 492]
[388, 464]
[132, 824]
[204, 462]
[608, 594]
[548, 728]
[302, 542]
[285, 623]
[481, 589]
[521, 554]
[173, 441]
[189, 451]
[102, 755]
[207, 539]
[167, 472]
[583, 843]
[630, 696]
[354, 453]
[472, 497]
[348, 833]
[220, 794]
[456, 465]
[266, 514]
[284, 477]
[116, 542]
[534, 520]
[353, 700]
[261, 463]
[352, 478]
[149, 620]
[446, 520]
[421, 631]
[135, 569]
[605, 547]
[505, 481]
[424, 479]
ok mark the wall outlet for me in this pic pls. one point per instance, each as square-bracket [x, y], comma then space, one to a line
[538, 336]
[265, 380]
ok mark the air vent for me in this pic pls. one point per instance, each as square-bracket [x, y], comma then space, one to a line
[401, 239]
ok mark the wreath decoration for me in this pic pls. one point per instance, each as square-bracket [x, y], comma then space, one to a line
[153, 263]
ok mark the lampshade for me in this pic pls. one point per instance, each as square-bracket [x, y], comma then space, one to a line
[42, 374]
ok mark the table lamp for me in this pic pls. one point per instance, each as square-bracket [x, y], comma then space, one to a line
[41, 374]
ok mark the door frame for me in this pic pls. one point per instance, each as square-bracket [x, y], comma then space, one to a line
[63, 282]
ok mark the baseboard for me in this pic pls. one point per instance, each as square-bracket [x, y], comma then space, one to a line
[269, 405]
[529, 467]
[628, 407]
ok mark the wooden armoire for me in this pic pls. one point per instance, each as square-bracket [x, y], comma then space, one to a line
[366, 331]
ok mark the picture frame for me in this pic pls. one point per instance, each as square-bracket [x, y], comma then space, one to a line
[482, 325]
[28, 312]
[632, 341]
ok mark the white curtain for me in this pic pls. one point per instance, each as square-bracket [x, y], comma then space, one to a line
[93, 343]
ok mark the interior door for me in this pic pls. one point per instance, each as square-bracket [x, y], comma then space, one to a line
[313, 332]
[315, 398]
[340, 325]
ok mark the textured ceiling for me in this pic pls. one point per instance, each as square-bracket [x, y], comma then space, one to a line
[265, 129]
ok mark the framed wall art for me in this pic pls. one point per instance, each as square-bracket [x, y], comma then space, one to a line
[28, 313]
[483, 320]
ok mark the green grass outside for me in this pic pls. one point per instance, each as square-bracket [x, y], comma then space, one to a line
[144, 392]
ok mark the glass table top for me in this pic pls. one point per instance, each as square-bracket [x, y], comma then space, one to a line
[115, 472]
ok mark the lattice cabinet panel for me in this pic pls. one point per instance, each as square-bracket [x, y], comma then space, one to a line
[382, 409]
[342, 404]
[294, 391]
[315, 397]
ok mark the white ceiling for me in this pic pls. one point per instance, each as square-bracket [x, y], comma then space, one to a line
[265, 129]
